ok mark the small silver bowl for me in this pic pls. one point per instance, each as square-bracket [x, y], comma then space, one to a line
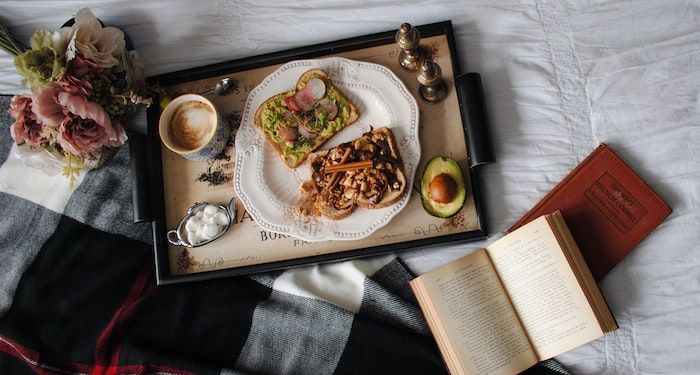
[179, 236]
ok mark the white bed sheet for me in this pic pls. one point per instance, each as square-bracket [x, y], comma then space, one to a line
[559, 77]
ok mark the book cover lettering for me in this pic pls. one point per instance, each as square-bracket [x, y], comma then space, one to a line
[615, 202]
[610, 210]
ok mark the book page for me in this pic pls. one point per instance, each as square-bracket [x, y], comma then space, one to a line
[474, 319]
[544, 290]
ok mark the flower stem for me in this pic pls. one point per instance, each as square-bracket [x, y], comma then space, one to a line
[9, 42]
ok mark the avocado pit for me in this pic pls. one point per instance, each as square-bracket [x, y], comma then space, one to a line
[442, 188]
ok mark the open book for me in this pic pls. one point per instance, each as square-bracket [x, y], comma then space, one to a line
[525, 298]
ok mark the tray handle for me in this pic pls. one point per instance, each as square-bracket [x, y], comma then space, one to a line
[472, 105]
[140, 192]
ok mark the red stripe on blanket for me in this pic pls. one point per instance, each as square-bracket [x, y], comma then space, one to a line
[43, 366]
[36, 362]
[109, 344]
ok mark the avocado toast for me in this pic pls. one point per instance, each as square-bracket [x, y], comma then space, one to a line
[297, 122]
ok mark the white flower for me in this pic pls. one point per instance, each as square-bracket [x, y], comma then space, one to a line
[101, 45]
[61, 38]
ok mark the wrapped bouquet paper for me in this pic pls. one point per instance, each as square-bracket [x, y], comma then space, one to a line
[84, 83]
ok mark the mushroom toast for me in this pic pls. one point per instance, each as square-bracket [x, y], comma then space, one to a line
[297, 122]
[367, 172]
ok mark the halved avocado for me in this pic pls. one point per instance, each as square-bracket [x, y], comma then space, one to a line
[442, 187]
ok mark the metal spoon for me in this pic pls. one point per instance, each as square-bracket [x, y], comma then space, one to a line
[223, 87]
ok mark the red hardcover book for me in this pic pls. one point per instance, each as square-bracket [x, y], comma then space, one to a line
[608, 207]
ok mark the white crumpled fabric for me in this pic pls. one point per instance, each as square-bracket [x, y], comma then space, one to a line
[559, 78]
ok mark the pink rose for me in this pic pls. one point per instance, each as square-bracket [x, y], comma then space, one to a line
[86, 127]
[45, 105]
[74, 80]
[75, 85]
[26, 128]
[80, 66]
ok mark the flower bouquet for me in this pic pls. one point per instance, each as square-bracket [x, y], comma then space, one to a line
[84, 82]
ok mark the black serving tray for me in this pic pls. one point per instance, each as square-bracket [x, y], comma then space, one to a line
[146, 163]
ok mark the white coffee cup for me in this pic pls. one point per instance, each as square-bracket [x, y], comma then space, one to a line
[190, 127]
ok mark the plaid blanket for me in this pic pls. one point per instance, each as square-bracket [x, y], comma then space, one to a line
[78, 296]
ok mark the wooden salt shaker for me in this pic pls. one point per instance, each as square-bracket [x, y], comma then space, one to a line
[432, 86]
[408, 39]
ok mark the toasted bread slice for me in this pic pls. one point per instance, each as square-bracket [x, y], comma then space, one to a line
[327, 209]
[393, 195]
[318, 203]
[295, 152]
[384, 181]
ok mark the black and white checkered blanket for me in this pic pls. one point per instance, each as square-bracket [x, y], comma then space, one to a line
[78, 296]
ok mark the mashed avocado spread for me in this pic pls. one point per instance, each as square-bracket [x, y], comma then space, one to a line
[276, 114]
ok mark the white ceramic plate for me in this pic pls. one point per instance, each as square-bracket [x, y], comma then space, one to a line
[269, 190]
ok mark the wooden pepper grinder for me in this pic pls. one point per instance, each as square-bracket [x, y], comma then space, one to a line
[408, 39]
[432, 87]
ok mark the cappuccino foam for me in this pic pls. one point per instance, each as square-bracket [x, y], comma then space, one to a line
[192, 124]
